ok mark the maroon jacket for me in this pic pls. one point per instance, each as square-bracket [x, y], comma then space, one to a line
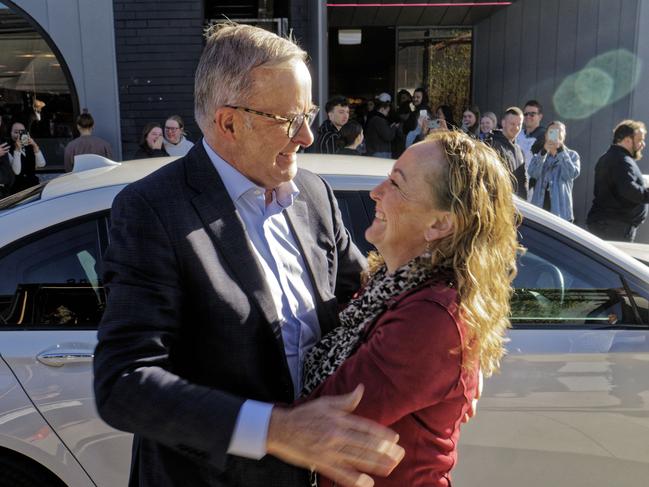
[410, 364]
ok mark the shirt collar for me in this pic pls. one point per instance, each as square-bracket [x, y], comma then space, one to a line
[237, 184]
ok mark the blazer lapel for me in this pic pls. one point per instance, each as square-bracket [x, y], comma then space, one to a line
[219, 215]
[298, 218]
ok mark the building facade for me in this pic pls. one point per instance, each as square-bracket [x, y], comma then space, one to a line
[130, 62]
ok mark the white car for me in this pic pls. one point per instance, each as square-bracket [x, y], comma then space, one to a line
[636, 250]
[570, 407]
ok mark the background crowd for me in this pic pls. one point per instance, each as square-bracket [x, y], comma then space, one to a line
[20, 154]
[542, 166]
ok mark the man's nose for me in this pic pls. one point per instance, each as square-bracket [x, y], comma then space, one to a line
[304, 136]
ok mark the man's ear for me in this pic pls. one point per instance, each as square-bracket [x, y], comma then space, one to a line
[441, 227]
[224, 125]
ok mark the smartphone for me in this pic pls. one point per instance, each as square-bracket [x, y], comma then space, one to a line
[24, 137]
[553, 135]
[433, 124]
[423, 113]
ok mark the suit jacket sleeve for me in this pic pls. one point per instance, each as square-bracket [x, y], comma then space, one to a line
[136, 389]
[406, 363]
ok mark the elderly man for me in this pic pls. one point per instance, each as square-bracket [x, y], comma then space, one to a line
[621, 195]
[224, 268]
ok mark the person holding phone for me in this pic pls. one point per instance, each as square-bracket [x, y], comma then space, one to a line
[555, 168]
[25, 157]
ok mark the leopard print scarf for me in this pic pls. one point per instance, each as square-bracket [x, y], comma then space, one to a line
[340, 343]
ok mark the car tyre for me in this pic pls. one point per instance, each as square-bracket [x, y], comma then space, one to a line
[17, 472]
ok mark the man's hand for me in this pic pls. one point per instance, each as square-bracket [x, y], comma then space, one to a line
[4, 149]
[324, 436]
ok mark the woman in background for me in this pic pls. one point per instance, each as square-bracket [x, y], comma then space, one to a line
[471, 121]
[151, 142]
[488, 122]
[350, 137]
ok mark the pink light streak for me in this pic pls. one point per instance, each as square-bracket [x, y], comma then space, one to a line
[444, 4]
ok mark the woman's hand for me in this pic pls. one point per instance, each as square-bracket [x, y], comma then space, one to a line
[157, 143]
[33, 143]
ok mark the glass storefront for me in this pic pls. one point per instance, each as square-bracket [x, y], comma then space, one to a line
[35, 87]
[440, 61]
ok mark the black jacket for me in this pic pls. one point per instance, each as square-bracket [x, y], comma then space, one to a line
[326, 139]
[145, 152]
[7, 176]
[27, 176]
[620, 192]
[379, 134]
[512, 156]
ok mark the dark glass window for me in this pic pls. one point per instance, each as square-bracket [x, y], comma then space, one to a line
[35, 87]
[354, 208]
[53, 280]
[559, 285]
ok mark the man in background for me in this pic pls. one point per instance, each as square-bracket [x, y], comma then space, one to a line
[337, 115]
[504, 142]
[621, 194]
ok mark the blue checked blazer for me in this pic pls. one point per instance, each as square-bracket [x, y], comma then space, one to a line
[190, 330]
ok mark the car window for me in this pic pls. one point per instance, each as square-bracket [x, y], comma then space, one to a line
[53, 279]
[356, 217]
[559, 285]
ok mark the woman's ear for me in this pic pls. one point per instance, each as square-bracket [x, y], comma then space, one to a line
[441, 227]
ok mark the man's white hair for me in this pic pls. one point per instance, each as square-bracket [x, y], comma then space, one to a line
[224, 73]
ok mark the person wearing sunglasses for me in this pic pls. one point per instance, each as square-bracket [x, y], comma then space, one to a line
[532, 138]
[175, 142]
[224, 268]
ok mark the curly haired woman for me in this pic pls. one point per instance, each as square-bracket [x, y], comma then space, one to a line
[435, 306]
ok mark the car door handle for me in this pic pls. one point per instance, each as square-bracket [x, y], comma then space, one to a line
[59, 357]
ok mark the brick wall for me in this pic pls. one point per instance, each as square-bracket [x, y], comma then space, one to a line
[158, 45]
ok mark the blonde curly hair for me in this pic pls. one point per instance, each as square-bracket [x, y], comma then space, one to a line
[476, 188]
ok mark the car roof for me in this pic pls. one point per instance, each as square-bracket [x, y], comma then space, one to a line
[129, 171]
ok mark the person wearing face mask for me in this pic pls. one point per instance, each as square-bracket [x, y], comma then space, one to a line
[151, 142]
[175, 142]
[621, 194]
[555, 168]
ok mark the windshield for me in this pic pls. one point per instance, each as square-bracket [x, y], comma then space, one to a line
[25, 196]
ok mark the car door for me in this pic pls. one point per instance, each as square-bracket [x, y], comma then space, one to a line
[51, 300]
[570, 407]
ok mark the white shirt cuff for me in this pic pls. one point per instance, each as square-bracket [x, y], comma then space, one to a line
[250, 433]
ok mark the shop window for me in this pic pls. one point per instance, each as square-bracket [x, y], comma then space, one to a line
[35, 86]
[438, 60]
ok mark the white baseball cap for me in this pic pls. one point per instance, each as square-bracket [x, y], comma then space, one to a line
[384, 97]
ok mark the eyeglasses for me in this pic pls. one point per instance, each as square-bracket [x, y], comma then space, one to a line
[172, 129]
[531, 114]
[294, 123]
